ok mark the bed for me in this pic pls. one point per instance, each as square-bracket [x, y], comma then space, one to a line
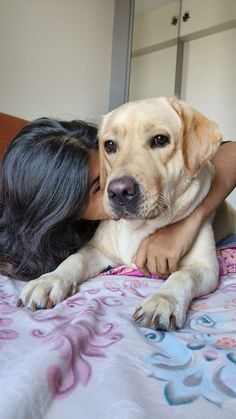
[86, 358]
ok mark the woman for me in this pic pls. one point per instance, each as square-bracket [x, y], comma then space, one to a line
[44, 193]
[50, 201]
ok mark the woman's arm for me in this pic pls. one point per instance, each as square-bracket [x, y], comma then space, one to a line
[161, 251]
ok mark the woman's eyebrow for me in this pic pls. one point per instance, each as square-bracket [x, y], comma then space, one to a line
[94, 181]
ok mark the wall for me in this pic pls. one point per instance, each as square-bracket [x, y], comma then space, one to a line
[55, 57]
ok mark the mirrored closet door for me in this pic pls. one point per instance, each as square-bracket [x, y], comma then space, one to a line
[154, 48]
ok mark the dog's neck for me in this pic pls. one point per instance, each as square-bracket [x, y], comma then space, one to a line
[196, 190]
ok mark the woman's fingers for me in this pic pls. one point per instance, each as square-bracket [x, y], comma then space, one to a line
[173, 264]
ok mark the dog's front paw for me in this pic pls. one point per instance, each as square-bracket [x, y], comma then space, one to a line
[160, 312]
[45, 292]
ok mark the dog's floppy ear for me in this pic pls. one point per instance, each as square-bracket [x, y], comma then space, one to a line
[200, 137]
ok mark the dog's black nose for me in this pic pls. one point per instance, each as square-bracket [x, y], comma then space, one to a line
[122, 190]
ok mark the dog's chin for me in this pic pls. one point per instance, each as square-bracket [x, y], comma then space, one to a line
[142, 209]
[116, 213]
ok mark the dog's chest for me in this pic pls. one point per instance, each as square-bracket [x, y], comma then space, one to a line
[119, 240]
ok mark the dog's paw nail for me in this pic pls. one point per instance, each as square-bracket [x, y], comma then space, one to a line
[139, 318]
[50, 303]
[138, 314]
[172, 324]
[34, 306]
[155, 323]
[19, 303]
[72, 289]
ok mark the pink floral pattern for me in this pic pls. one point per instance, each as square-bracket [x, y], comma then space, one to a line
[76, 337]
[227, 260]
[86, 357]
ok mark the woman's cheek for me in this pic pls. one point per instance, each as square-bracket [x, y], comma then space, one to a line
[100, 207]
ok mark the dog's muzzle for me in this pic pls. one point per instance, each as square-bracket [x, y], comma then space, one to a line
[124, 195]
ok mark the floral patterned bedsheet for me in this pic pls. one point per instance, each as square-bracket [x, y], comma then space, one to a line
[87, 359]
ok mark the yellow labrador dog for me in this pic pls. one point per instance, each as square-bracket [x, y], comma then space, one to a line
[155, 170]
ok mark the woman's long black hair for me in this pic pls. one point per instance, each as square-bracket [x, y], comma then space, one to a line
[44, 190]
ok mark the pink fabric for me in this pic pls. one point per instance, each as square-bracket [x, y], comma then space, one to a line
[226, 258]
[86, 358]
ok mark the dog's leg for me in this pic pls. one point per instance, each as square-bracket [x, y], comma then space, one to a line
[53, 287]
[166, 309]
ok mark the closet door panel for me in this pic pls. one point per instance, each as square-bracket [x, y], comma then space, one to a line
[155, 27]
[153, 74]
[206, 15]
[208, 82]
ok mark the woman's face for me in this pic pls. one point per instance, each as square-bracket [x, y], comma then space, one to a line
[95, 209]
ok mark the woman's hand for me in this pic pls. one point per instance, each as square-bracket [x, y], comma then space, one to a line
[161, 252]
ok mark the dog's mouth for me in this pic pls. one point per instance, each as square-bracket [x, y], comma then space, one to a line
[126, 199]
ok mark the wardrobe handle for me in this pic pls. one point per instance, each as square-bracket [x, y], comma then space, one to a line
[186, 16]
[174, 20]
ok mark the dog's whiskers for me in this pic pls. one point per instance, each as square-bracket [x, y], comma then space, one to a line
[164, 204]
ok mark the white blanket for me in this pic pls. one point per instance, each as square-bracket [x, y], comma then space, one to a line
[87, 359]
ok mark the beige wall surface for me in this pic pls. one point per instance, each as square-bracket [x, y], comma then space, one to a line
[55, 57]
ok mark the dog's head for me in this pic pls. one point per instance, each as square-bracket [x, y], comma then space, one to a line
[149, 149]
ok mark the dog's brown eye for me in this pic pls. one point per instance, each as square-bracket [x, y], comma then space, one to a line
[159, 141]
[110, 146]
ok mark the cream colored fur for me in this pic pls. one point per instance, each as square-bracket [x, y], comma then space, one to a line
[173, 180]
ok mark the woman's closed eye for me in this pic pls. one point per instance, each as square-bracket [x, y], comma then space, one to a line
[95, 185]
